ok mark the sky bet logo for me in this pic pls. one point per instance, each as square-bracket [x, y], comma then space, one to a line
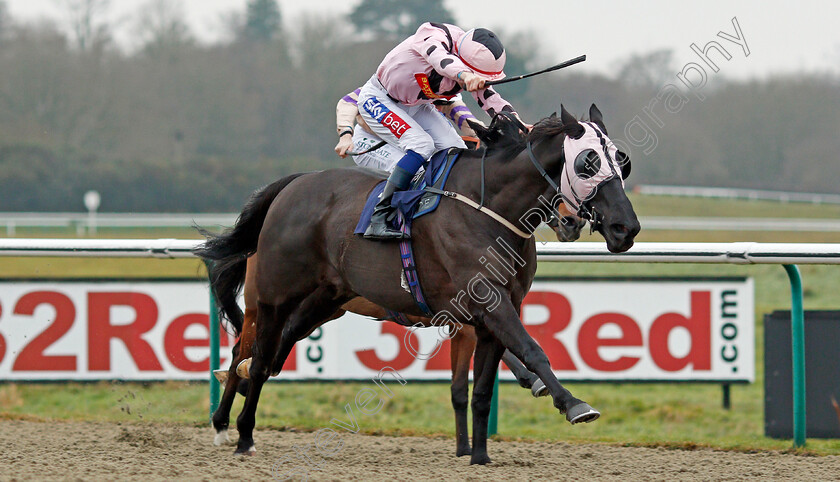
[384, 116]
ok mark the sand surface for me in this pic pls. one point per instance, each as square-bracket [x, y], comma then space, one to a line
[111, 451]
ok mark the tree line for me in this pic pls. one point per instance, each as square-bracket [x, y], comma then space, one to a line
[178, 125]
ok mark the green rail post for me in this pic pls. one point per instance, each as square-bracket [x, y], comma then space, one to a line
[797, 327]
[493, 423]
[214, 353]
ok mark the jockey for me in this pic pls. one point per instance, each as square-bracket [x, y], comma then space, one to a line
[353, 132]
[437, 62]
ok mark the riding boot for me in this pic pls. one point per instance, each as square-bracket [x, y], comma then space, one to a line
[379, 228]
[399, 180]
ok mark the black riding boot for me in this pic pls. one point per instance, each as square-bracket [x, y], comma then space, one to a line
[379, 228]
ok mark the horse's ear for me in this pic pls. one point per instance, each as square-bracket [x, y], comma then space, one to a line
[596, 117]
[481, 131]
[553, 115]
[566, 118]
[516, 122]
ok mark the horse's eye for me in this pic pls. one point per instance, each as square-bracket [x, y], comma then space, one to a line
[623, 161]
[587, 164]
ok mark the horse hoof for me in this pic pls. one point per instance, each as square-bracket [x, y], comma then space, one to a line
[538, 389]
[249, 451]
[582, 413]
[460, 452]
[243, 368]
[221, 438]
[221, 376]
[480, 459]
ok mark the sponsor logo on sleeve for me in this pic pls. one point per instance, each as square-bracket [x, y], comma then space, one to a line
[426, 87]
[386, 117]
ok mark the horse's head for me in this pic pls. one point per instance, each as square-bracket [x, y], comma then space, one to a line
[592, 176]
[507, 133]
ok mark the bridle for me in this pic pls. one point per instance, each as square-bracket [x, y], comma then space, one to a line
[585, 209]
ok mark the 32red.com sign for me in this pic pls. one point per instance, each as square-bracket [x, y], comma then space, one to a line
[105, 330]
[590, 330]
[628, 329]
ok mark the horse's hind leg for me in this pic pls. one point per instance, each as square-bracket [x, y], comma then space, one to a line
[278, 329]
[242, 351]
[270, 321]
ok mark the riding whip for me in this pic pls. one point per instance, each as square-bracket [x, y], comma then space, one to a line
[559, 66]
[370, 149]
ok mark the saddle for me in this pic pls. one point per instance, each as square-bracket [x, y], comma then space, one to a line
[418, 200]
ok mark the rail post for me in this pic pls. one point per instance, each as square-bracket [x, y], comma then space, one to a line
[797, 327]
[214, 352]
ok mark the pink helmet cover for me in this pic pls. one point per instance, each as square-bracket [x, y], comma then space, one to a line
[482, 51]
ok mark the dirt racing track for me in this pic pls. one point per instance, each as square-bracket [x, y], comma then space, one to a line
[100, 451]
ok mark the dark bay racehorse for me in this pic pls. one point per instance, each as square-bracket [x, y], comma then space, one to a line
[461, 350]
[310, 263]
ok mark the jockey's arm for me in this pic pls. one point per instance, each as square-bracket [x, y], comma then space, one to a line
[346, 111]
[346, 116]
[457, 111]
[433, 49]
[493, 103]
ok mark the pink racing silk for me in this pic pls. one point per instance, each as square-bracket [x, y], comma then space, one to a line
[424, 68]
[347, 112]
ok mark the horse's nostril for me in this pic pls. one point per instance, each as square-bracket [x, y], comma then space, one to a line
[619, 229]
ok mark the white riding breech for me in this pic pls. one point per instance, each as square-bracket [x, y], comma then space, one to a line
[383, 158]
[420, 128]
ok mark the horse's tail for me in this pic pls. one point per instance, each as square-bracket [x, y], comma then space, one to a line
[227, 253]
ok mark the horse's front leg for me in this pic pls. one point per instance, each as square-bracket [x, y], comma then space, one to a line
[503, 321]
[525, 378]
[488, 353]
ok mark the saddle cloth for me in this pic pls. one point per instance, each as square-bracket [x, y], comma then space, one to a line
[415, 201]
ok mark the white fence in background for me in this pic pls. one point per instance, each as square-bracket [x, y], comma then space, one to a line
[719, 253]
[84, 224]
[730, 193]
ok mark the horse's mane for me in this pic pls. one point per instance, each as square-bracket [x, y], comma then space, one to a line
[552, 126]
[507, 135]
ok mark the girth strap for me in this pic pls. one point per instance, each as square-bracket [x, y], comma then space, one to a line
[410, 268]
